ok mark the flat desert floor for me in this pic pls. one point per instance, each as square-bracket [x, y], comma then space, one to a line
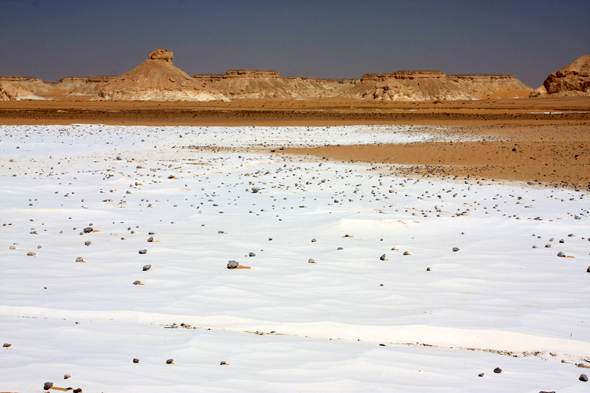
[366, 272]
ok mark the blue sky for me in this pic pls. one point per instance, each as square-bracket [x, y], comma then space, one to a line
[53, 39]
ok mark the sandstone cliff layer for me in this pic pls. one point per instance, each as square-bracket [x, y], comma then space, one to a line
[433, 85]
[268, 84]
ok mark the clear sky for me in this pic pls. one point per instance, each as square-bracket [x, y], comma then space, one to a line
[529, 39]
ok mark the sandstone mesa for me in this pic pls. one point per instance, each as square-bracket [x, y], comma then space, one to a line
[158, 79]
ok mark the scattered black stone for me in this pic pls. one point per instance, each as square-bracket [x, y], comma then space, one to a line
[583, 378]
[136, 282]
[480, 374]
[311, 260]
[222, 363]
[47, 385]
[135, 360]
[67, 376]
[313, 240]
[150, 239]
[144, 251]
[79, 259]
[497, 370]
[251, 254]
[232, 264]
[151, 233]
[169, 361]
[455, 249]
[406, 253]
[427, 269]
[88, 230]
[561, 254]
[6, 345]
[87, 243]
[382, 257]
[588, 270]
[78, 390]
[382, 345]
[146, 267]
[255, 190]
[31, 254]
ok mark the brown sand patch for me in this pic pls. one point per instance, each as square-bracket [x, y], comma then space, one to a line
[546, 154]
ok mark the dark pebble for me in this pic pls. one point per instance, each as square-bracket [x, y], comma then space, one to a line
[169, 361]
[144, 251]
[135, 360]
[497, 370]
[232, 264]
[583, 378]
[147, 267]
[47, 385]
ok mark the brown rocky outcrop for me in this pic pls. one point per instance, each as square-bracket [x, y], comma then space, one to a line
[157, 79]
[433, 85]
[571, 80]
[491, 86]
[269, 84]
[79, 86]
[22, 88]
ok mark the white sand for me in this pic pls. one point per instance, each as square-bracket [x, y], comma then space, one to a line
[497, 292]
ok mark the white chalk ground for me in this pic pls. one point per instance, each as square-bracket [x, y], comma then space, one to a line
[497, 302]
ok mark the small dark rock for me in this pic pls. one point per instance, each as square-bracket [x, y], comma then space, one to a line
[146, 267]
[135, 360]
[6, 345]
[87, 243]
[79, 259]
[222, 363]
[144, 251]
[67, 376]
[583, 378]
[382, 257]
[150, 239]
[251, 254]
[455, 249]
[87, 229]
[497, 370]
[480, 374]
[47, 385]
[232, 264]
[170, 361]
[561, 254]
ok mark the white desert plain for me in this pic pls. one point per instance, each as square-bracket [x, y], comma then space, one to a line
[320, 244]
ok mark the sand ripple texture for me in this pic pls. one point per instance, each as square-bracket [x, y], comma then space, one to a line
[470, 279]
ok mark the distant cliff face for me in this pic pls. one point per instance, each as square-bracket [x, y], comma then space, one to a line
[571, 80]
[268, 84]
[22, 88]
[434, 85]
[158, 79]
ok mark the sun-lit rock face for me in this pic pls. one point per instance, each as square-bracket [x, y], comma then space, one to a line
[162, 54]
[157, 79]
[571, 80]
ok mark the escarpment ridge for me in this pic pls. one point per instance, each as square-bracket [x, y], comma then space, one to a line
[158, 79]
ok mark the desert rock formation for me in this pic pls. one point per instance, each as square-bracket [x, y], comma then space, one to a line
[77, 86]
[14, 88]
[571, 80]
[268, 84]
[432, 85]
[159, 80]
